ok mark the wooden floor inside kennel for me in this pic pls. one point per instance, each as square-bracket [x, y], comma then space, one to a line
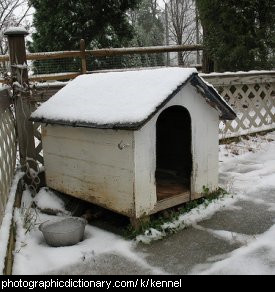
[170, 193]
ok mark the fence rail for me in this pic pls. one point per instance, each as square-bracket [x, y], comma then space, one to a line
[7, 149]
[108, 52]
[87, 60]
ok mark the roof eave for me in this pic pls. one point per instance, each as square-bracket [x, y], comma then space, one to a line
[213, 99]
[132, 127]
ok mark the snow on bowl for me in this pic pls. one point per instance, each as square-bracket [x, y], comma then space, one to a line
[63, 231]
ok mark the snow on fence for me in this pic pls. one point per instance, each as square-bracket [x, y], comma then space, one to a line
[7, 149]
[252, 95]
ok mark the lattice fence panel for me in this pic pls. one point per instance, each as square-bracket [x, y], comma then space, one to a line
[253, 99]
[7, 156]
[38, 143]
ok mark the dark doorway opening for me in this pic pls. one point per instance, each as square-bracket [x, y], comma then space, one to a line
[174, 154]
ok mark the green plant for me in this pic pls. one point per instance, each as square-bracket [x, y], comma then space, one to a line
[172, 215]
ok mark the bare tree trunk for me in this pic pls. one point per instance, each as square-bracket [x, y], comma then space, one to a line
[180, 59]
[181, 24]
[197, 33]
[167, 34]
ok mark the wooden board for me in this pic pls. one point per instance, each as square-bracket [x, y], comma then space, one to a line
[171, 202]
[88, 164]
[168, 191]
[5, 100]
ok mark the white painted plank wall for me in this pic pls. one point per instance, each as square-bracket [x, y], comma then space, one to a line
[87, 163]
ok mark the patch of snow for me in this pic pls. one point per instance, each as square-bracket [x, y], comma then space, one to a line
[34, 256]
[244, 146]
[252, 72]
[113, 98]
[256, 258]
[3, 86]
[229, 236]
[41, 76]
[14, 30]
[47, 199]
[251, 169]
[21, 67]
[6, 223]
[194, 216]
[27, 200]
[253, 175]
[49, 84]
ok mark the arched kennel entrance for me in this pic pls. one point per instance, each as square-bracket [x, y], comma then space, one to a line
[174, 154]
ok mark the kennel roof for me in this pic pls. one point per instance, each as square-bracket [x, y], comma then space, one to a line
[123, 100]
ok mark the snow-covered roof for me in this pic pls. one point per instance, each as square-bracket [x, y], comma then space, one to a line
[117, 99]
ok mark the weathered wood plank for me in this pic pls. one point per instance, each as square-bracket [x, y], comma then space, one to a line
[53, 77]
[108, 52]
[5, 100]
[83, 57]
[172, 202]
[7, 157]
[143, 50]
[89, 165]
[12, 235]
[41, 94]
[23, 108]
[4, 58]
[246, 78]
[53, 55]
[95, 151]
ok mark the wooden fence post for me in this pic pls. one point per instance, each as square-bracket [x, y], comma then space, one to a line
[23, 107]
[83, 57]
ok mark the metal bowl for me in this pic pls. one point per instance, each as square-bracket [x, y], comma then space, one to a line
[63, 231]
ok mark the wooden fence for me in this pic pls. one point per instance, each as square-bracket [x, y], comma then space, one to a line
[7, 149]
[83, 54]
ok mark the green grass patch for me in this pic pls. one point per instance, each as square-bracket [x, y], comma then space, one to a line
[173, 214]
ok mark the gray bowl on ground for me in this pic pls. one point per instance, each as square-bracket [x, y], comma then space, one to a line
[63, 231]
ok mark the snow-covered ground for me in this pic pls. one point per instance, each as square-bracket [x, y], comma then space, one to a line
[34, 256]
[247, 171]
[252, 176]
